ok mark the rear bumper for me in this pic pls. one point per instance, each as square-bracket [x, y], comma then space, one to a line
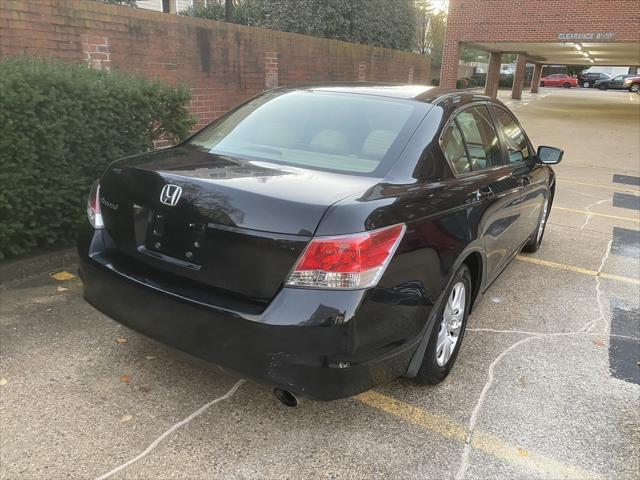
[318, 344]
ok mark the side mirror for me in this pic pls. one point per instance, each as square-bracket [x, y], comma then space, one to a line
[550, 155]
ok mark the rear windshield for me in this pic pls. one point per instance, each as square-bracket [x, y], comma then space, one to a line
[339, 132]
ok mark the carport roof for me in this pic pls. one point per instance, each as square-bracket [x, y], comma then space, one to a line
[570, 53]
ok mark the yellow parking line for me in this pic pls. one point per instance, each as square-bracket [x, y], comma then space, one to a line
[572, 268]
[584, 212]
[414, 415]
[480, 441]
[621, 189]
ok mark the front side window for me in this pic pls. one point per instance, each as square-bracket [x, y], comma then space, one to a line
[515, 140]
[480, 137]
[339, 132]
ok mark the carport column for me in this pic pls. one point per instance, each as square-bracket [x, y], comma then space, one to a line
[450, 62]
[535, 81]
[493, 75]
[518, 78]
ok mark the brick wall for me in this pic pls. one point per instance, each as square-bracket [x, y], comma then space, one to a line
[222, 63]
[472, 21]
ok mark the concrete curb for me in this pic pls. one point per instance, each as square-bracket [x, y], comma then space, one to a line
[19, 268]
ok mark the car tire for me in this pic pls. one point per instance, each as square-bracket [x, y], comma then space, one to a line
[566, 85]
[542, 84]
[635, 87]
[586, 84]
[534, 242]
[441, 351]
[602, 87]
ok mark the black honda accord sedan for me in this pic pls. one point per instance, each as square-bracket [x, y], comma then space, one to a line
[320, 239]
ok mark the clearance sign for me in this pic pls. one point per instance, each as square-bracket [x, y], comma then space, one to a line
[587, 36]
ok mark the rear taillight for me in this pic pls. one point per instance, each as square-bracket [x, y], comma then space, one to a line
[346, 262]
[93, 206]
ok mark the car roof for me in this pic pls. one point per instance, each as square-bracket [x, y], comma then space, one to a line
[421, 93]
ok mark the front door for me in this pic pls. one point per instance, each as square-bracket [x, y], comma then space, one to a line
[519, 153]
[617, 82]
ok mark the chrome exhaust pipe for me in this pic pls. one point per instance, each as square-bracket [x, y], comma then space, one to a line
[286, 397]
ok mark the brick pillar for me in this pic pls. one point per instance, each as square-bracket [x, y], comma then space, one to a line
[410, 78]
[518, 78]
[493, 75]
[449, 67]
[97, 52]
[362, 72]
[535, 81]
[270, 69]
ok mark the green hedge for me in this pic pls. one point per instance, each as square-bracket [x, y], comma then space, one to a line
[60, 125]
[506, 81]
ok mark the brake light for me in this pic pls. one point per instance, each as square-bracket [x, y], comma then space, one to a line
[348, 261]
[93, 206]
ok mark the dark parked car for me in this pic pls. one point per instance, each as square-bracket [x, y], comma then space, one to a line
[621, 82]
[321, 239]
[588, 80]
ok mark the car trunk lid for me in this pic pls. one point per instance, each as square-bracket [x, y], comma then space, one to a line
[236, 226]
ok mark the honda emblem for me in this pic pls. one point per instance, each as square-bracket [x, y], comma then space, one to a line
[170, 195]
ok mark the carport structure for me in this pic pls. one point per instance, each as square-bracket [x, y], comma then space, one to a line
[549, 32]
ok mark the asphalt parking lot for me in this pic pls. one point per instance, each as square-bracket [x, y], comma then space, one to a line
[547, 384]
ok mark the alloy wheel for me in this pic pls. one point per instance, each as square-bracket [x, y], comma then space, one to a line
[451, 324]
[586, 84]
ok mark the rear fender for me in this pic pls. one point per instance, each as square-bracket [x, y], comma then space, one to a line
[416, 360]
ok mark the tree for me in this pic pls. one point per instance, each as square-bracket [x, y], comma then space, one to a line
[243, 12]
[228, 10]
[431, 22]
[473, 55]
[384, 23]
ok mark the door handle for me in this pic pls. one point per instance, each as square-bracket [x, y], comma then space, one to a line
[482, 193]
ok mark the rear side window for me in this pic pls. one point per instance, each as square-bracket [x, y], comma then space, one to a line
[515, 140]
[480, 137]
[453, 149]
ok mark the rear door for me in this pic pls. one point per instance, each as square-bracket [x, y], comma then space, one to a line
[472, 147]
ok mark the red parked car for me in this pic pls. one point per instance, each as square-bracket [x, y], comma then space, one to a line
[559, 80]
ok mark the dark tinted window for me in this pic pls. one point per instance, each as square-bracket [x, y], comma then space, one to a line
[480, 137]
[515, 140]
[453, 149]
[318, 130]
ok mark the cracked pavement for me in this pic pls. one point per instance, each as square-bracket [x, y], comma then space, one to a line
[546, 384]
